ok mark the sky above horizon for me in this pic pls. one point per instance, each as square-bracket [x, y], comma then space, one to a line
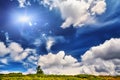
[62, 36]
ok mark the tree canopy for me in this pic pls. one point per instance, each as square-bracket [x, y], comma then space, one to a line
[39, 70]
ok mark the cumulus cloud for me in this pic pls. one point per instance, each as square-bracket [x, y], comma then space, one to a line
[17, 53]
[77, 12]
[99, 8]
[20, 56]
[99, 60]
[3, 49]
[105, 57]
[98, 67]
[14, 52]
[58, 63]
[108, 50]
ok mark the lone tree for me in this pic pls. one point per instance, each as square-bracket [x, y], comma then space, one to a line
[39, 70]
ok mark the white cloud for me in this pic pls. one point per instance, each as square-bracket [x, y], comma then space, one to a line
[105, 57]
[15, 52]
[4, 61]
[49, 43]
[58, 63]
[99, 60]
[30, 71]
[23, 3]
[77, 12]
[15, 47]
[51, 40]
[3, 49]
[99, 8]
[21, 56]
[33, 59]
[98, 67]
[108, 50]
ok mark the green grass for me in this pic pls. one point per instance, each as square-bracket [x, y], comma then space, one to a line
[19, 76]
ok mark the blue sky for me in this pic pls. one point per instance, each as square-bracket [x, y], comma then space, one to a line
[60, 36]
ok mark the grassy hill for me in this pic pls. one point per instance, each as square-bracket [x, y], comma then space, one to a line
[19, 76]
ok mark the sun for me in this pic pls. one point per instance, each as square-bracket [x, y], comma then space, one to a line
[24, 19]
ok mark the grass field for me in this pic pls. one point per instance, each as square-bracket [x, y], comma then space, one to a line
[16, 76]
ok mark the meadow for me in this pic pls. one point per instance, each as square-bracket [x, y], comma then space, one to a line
[20, 76]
